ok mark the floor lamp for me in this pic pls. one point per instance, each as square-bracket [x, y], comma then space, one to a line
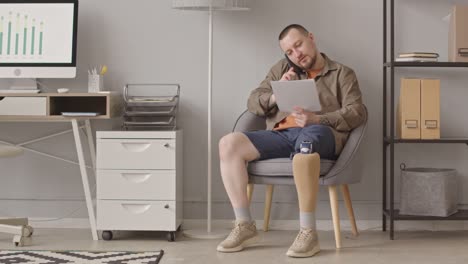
[209, 6]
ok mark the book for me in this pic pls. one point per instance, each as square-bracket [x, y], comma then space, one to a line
[80, 113]
[418, 54]
[416, 59]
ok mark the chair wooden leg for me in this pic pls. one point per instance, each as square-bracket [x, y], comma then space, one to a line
[250, 188]
[267, 210]
[335, 214]
[349, 207]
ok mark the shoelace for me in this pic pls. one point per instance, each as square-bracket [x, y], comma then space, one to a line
[303, 236]
[235, 232]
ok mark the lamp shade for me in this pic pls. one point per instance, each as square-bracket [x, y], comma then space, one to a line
[206, 5]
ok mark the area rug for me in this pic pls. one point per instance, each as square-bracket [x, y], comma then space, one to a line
[79, 257]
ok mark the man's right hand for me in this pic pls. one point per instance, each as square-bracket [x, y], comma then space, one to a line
[289, 75]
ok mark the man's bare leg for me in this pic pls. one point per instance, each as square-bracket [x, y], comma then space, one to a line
[235, 150]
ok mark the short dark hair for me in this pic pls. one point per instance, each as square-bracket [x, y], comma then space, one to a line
[286, 30]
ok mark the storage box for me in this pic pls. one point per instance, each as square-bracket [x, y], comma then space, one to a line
[409, 109]
[419, 109]
[458, 34]
[428, 192]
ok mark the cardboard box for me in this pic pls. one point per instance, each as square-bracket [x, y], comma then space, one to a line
[430, 109]
[458, 34]
[409, 109]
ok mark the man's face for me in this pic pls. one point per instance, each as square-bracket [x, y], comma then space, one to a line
[300, 48]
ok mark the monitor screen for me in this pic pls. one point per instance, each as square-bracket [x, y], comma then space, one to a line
[38, 38]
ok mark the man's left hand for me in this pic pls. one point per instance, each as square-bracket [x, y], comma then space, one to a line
[305, 118]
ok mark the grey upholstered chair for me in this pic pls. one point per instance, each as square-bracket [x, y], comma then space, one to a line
[279, 171]
[16, 226]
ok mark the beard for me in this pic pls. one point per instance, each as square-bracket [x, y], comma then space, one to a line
[311, 63]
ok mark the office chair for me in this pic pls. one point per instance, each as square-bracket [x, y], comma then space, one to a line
[279, 171]
[16, 226]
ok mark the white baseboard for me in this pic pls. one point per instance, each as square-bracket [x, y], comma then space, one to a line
[324, 225]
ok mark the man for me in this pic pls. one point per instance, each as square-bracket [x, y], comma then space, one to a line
[342, 111]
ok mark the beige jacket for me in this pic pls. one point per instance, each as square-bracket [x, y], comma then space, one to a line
[339, 95]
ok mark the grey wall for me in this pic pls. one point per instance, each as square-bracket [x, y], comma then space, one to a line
[147, 41]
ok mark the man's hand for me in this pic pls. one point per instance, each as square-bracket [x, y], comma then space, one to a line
[272, 99]
[305, 118]
[289, 75]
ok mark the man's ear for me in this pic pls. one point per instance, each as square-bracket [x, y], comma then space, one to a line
[311, 36]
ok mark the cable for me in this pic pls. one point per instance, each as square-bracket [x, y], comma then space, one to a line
[65, 216]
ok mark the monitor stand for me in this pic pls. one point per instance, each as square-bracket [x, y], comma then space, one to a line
[23, 84]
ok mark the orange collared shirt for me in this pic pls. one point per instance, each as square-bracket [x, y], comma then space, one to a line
[290, 121]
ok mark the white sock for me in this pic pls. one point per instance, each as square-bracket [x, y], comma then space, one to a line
[243, 214]
[307, 220]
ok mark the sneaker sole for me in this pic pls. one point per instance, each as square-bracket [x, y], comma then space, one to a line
[307, 254]
[246, 243]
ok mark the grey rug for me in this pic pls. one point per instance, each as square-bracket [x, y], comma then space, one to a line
[79, 257]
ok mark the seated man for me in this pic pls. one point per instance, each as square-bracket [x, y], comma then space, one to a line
[342, 111]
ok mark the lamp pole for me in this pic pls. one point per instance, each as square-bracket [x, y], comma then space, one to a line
[210, 85]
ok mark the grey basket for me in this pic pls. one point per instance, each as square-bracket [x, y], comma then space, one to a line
[428, 191]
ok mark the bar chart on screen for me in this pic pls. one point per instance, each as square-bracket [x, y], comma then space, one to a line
[21, 36]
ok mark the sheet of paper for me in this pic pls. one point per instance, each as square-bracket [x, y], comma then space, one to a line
[301, 93]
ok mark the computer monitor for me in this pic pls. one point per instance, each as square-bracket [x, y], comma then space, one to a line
[38, 38]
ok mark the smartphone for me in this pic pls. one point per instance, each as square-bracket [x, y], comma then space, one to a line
[298, 70]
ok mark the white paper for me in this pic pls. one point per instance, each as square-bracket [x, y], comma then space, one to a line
[301, 93]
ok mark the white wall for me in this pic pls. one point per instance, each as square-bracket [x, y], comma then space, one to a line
[147, 41]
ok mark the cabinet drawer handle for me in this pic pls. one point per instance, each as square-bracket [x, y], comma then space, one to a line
[136, 208]
[166, 206]
[136, 147]
[136, 177]
[166, 145]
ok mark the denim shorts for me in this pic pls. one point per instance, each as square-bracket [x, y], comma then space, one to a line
[284, 143]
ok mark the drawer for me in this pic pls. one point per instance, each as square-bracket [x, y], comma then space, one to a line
[136, 154]
[136, 215]
[32, 106]
[136, 185]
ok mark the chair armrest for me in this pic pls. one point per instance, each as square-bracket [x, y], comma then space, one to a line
[345, 158]
[248, 121]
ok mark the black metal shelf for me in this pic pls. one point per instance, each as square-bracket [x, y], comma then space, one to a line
[426, 64]
[388, 140]
[389, 137]
[460, 215]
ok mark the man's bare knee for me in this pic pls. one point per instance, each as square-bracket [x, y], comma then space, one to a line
[236, 145]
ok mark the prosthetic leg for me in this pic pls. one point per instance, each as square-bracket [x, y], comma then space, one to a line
[306, 171]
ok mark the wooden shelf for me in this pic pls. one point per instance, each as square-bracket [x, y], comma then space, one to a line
[107, 104]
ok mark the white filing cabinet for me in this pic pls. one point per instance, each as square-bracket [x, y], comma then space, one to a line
[139, 181]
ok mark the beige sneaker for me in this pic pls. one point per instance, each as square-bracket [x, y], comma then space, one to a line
[243, 234]
[305, 245]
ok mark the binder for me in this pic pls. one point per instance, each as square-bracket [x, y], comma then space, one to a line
[409, 111]
[458, 34]
[430, 109]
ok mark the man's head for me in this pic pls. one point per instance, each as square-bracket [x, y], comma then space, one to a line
[299, 45]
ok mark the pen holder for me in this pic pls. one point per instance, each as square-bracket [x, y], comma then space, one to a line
[95, 83]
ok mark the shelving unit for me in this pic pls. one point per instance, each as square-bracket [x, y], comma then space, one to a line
[389, 138]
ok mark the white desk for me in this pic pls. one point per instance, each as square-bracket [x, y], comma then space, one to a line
[47, 107]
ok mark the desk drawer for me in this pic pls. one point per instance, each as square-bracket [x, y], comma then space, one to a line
[30, 106]
[136, 215]
[136, 154]
[136, 184]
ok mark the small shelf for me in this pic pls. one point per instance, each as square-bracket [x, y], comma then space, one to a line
[388, 140]
[426, 64]
[460, 215]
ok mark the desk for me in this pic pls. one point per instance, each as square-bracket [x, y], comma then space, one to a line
[48, 107]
